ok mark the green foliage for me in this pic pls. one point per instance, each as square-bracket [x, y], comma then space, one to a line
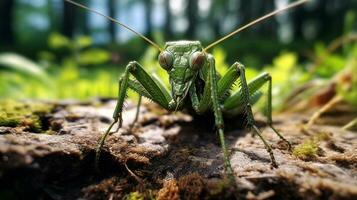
[329, 64]
[58, 75]
[220, 57]
[342, 67]
[348, 88]
[286, 74]
[56, 41]
[93, 57]
[149, 61]
[17, 71]
[83, 41]
[77, 49]
[73, 68]
[17, 63]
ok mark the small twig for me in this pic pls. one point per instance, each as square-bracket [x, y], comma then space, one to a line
[137, 178]
[111, 196]
[350, 124]
[326, 107]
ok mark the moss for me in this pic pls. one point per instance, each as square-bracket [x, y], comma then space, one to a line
[134, 196]
[322, 136]
[310, 148]
[307, 149]
[219, 187]
[170, 190]
[9, 122]
[22, 114]
[191, 186]
[32, 125]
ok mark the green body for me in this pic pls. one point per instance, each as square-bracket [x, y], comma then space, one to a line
[196, 85]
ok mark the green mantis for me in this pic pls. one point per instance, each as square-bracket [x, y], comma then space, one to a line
[195, 84]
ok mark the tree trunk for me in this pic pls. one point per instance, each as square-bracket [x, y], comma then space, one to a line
[112, 8]
[83, 19]
[215, 19]
[334, 12]
[298, 16]
[191, 12]
[245, 10]
[6, 22]
[68, 19]
[269, 27]
[168, 22]
[148, 21]
[54, 17]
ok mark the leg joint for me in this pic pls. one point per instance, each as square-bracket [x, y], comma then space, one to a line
[268, 77]
[121, 79]
[210, 57]
[132, 66]
[220, 125]
[240, 66]
[211, 60]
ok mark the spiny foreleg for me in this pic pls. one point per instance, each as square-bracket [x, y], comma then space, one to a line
[210, 99]
[145, 86]
[218, 115]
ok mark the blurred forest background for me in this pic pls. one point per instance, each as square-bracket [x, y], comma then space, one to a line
[50, 49]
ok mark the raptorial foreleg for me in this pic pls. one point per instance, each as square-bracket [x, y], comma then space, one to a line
[145, 86]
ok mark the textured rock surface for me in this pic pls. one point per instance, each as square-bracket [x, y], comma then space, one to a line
[170, 156]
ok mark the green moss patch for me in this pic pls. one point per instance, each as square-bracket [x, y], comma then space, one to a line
[27, 115]
[310, 147]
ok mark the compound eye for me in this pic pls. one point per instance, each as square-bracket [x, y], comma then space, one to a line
[166, 60]
[197, 60]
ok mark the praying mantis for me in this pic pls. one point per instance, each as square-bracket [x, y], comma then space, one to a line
[195, 84]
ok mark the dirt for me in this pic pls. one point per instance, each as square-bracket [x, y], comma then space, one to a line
[172, 156]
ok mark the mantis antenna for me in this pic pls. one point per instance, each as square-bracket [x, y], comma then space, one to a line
[117, 22]
[297, 3]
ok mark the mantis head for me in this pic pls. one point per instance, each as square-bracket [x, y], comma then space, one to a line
[182, 60]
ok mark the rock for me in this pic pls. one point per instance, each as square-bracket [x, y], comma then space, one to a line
[168, 155]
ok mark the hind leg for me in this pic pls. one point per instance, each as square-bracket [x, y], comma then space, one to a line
[240, 102]
[234, 105]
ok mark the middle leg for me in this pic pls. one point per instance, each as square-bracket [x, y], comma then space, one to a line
[242, 100]
[235, 105]
[210, 100]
